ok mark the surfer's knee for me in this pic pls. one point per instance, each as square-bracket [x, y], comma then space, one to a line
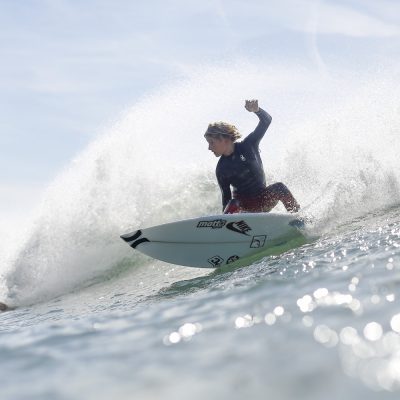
[278, 189]
[281, 188]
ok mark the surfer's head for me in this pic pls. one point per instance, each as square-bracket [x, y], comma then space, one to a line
[223, 130]
[221, 137]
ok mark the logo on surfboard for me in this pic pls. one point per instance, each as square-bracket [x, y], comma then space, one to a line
[214, 224]
[133, 239]
[215, 261]
[232, 259]
[258, 241]
[239, 227]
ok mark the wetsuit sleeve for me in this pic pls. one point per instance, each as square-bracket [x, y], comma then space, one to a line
[225, 191]
[265, 120]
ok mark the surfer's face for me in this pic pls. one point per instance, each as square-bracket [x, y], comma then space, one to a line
[219, 146]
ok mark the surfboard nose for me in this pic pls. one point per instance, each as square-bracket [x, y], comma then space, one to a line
[133, 238]
[130, 237]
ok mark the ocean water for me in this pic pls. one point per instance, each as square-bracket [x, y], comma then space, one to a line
[93, 319]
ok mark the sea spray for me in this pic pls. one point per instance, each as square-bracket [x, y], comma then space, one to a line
[349, 153]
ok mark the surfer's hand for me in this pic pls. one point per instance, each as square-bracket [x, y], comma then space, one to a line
[251, 105]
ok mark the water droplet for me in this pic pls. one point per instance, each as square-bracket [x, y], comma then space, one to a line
[355, 281]
[278, 311]
[270, 319]
[349, 336]
[395, 323]
[320, 293]
[306, 303]
[174, 337]
[308, 321]
[390, 297]
[352, 287]
[244, 322]
[188, 330]
[326, 336]
[373, 331]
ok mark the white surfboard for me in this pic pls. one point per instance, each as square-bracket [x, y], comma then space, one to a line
[213, 241]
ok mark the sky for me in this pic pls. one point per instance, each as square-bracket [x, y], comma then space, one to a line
[69, 68]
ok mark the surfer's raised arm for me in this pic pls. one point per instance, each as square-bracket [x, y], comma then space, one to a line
[265, 121]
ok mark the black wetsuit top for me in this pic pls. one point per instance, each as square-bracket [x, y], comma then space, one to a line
[243, 169]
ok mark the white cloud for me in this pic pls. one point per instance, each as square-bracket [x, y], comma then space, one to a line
[344, 20]
[352, 18]
[386, 10]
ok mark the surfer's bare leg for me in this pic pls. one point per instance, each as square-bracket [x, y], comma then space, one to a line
[267, 200]
[3, 307]
[279, 192]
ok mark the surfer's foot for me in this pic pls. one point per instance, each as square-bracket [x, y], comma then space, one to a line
[291, 205]
[3, 307]
[294, 208]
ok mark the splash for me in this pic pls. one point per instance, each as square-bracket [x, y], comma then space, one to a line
[332, 141]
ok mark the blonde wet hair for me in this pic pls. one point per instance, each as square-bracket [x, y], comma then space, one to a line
[223, 129]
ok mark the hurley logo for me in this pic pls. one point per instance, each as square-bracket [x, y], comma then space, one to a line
[239, 227]
[215, 224]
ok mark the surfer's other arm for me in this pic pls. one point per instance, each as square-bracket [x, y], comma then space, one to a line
[225, 190]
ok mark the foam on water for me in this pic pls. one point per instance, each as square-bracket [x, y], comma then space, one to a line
[332, 141]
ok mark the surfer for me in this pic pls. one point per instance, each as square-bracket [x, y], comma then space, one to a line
[240, 166]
